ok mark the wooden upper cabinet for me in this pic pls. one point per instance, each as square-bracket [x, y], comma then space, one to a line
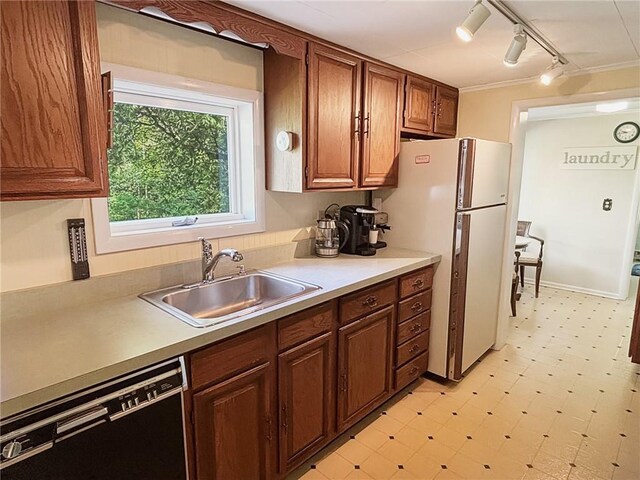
[418, 105]
[365, 361]
[53, 121]
[382, 100]
[334, 102]
[234, 423]
[446, 114]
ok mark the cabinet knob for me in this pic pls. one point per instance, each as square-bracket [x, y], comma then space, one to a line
[416, 307]
[413, 370]
[419, 283]
[416, 328]
[370, 301]
[415, 348]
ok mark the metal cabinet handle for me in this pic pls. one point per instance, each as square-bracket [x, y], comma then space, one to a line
[284, 416]
[416, 307]
[366, 125]
[415, 348]
[413, 370]
[419, 283]
[107, 102]
[370, 301]
[268, 420]
[357, 126]
[416, 328]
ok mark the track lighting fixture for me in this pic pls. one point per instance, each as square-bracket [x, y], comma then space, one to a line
[477, 16]
[518, 44]
[554, 71]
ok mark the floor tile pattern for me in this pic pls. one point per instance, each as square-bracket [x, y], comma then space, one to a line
[560, 401]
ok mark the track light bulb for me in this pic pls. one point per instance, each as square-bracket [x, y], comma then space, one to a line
[518, 44]
[553, 72]
[477, 16]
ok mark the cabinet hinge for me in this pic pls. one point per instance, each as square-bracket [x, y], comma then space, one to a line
[192, 418]
[306, 59]
[306, 172]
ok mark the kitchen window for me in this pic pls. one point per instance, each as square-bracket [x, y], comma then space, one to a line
[186, 162]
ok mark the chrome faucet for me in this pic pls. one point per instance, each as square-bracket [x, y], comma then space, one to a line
[209, 261]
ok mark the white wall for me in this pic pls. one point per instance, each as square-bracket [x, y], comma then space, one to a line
[33, 240]
[584, 245]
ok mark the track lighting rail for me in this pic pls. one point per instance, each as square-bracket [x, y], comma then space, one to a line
[529, 30]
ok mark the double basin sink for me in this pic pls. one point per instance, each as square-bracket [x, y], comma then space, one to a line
[206, 304]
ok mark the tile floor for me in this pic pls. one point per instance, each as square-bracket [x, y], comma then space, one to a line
[560, 401]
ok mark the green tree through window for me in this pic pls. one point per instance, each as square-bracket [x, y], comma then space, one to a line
[167, 163]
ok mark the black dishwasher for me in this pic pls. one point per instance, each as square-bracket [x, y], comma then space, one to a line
[129, 428]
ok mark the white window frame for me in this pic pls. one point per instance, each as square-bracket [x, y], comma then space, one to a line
[244, 111]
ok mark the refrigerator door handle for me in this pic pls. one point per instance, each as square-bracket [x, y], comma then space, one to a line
[463, 173]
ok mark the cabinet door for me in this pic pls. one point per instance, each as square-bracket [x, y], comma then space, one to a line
[233, 427]
[383, 96]
[418, 109]
[53, 121]
[365, 365]
[307, 399]
[446, 116]
[334, 98]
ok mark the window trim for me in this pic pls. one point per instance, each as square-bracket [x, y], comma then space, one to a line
[248, 206]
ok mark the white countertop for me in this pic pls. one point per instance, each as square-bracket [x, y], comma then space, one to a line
[46, 357]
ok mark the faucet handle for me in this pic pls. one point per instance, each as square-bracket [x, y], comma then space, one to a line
[207, 249]
[241, 270]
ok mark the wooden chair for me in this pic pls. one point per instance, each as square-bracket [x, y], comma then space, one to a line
[515, 296]
[529, 261]
[523, 228]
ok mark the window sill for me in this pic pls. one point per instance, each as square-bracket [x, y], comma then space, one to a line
[108, 242]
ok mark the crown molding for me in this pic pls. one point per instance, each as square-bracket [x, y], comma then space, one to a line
[574, 73]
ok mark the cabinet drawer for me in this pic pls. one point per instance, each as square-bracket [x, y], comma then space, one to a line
[232, 356]
[302, 326]
[412, 370]
[411, 348]
[413, 327]
[366, 301]
[415, 282]
[414, 305]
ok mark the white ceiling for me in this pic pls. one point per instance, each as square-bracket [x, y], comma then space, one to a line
[419, 35]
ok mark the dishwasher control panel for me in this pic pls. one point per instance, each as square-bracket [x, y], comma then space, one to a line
[139, 398]
[30, 433]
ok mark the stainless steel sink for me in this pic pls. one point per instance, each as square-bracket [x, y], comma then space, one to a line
[207, 304]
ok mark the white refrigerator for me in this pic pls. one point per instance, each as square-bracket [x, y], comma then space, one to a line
[451, 200]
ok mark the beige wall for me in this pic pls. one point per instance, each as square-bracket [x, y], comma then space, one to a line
[487, 113]
[33, 239]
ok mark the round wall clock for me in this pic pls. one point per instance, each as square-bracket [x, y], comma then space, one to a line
[626, 132]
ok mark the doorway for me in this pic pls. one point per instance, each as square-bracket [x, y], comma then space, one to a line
[519, 124]
[577, 191]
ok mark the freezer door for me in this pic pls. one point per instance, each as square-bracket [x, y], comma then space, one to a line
[483, 174]
[475, 286]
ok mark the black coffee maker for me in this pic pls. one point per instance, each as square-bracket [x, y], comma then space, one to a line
[359, 219]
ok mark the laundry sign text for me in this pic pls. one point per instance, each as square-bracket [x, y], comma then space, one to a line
[599, 158]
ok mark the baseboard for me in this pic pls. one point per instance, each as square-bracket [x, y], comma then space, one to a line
[572, 288]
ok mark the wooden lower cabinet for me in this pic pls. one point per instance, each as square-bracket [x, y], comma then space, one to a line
[306, 386]
[234, 431]
[365, 365]
[264, 401]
